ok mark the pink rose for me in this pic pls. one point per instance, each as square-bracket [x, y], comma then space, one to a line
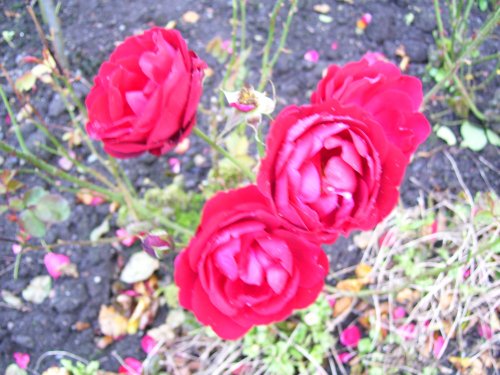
[242, 268]
[379, 88]
[145, 96]
[330, 169]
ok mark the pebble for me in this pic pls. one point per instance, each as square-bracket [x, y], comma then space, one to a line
[56, 106]
[70, 295]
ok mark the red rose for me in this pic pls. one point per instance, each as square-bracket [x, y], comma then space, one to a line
[145, 97]
[242, 268]
[379, 88]
[330, 169]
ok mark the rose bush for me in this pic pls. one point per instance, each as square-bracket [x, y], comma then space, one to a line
[379, 88]
[146, 96]
[330, 169]
[242, 268]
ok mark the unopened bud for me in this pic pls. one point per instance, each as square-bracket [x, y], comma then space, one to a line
[157, 243]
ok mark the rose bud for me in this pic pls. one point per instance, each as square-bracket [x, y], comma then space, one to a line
[379, 88]
[242, 268]
[145, 96]
[329, 170]
[250, 104]
[158, 243]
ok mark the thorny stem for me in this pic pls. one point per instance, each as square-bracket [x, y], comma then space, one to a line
[269, 42]
[248, 173]
[483, 33]
[65, 153]
[56, 172]
[243, 6]
[15, 125]
[281, 46]
[232, 61]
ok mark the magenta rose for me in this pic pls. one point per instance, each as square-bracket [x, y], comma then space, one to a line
[379, 88]
[330, 169]
[145, 96]
[242, 268]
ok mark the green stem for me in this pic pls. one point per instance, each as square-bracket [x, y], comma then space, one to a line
[56, 172]
[267, 48]
[17, 264]
[483, 33]
[15, 125]
[248, 173]
[232, 61]
[281, 46]
[243, 7]
[493, 56]
[62, 150]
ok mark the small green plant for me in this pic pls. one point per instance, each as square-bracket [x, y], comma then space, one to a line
[295, 346]
[455, 67]
[8, 36]
[80, 368]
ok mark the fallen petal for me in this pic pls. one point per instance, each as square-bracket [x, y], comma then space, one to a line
[350, 336]
[312, 56]
[22, 360]
[54, 263]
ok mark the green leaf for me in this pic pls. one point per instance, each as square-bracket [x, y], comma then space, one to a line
[325, 18]
[32, 196]
[493, 137]
[33, 225]
[52, 208]
[409, 18]
[3, 208]
[17, 204]
[365, 345]
[14, 369]
[100, 230]
[473, 136]
[38, 289]
[447, 135]
[25, 82]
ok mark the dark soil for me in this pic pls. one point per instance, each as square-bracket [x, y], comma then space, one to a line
[91, 29]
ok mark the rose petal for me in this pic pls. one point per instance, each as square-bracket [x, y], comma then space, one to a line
[54, 263]
[350, 336]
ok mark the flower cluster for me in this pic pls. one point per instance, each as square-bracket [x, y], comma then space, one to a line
[331, 167]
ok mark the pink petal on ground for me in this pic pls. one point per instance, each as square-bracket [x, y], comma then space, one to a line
[399, 313]
[438, 346]
[467, 273]
[331, 301]
[227, 46]
[350, 336]
[131, 366]
[125, 238]
[54, 263]
[407, 331]
[335, 46]
[16, 248]
[312, 56]
[96, 201]
[148, 343]
[22, 359]
[8, 121]
[65, 164]
[175, 165]
[366, 18]
[485, 330]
